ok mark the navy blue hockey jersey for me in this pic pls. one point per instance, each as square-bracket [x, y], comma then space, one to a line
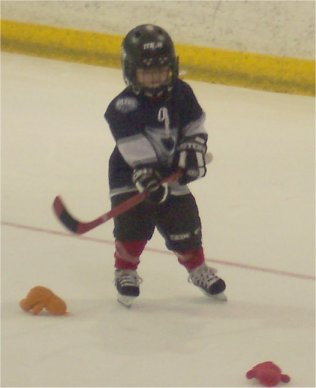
[147, 132]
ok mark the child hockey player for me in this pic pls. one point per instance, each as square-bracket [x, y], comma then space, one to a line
[157, 124]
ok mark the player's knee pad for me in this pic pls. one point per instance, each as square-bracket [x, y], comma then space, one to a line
[127, 253]
[183, 241]
[191, 259]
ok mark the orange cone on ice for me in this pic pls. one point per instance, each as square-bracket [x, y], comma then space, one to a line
[40, 298]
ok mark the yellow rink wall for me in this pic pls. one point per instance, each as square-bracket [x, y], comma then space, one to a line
[258, 71]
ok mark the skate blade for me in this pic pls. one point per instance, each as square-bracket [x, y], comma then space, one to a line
[125, 300]
[221, 297]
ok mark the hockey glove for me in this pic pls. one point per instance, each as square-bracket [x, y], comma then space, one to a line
[191, 158]
[148, 179]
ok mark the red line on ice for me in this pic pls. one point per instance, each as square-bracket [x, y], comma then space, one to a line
[217, 261]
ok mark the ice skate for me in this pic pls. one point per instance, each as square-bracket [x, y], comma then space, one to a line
[205, 278]
[127, 284]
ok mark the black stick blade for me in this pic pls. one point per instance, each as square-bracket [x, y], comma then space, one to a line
[64, 216]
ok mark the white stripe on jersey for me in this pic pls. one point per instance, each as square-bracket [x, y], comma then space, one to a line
[175, 189]
[136, 150]
[195, 127]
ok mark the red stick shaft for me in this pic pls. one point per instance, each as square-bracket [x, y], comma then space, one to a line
[79, 227]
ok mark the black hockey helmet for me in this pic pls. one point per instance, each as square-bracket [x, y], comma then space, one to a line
[149, 48]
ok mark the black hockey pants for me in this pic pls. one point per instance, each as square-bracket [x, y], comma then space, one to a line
[177, 220]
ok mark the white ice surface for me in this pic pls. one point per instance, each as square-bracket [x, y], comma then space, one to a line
[257, 209]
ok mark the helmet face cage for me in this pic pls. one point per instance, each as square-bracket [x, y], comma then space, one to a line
[149, 48]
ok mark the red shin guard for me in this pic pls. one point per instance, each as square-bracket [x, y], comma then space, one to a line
[127, 253]
[191, 259]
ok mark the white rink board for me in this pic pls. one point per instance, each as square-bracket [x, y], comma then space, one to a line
[280, 28]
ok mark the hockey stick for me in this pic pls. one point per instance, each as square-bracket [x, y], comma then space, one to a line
[80, 227]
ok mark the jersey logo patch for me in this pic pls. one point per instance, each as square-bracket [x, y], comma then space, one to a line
[126, 104]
